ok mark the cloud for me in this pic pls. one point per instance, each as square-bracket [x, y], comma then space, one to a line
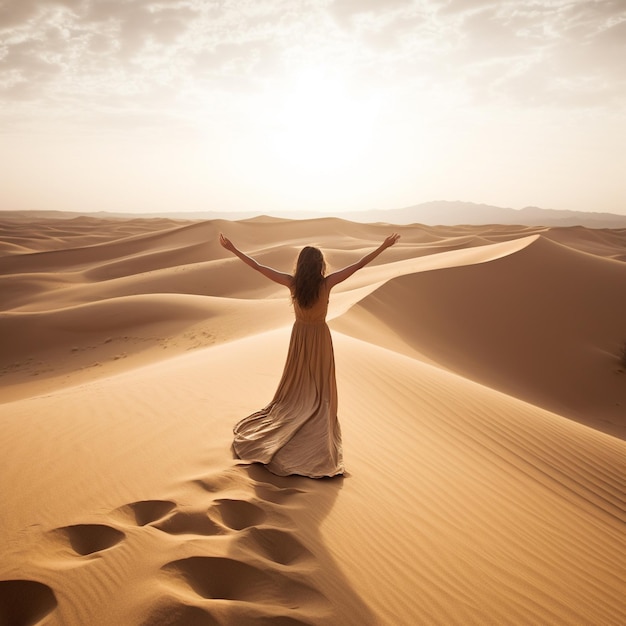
[18, 12]
[97, 53]
[559, 54]
[97, 57]
[346, 10]
[544, 53]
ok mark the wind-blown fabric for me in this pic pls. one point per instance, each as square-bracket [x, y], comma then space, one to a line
[298, 432]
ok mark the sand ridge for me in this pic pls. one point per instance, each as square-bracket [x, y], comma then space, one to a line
[480, 395]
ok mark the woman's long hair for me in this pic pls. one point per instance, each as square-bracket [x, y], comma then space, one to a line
[308, 276]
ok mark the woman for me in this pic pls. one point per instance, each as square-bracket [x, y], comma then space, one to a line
[298, 431]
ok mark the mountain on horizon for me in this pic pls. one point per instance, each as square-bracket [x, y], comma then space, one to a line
[451, 213]
[436, 213]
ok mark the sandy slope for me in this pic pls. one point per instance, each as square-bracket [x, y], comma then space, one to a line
[476, 367]
[530, 323]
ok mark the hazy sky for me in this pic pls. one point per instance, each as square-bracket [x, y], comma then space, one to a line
[141, 105]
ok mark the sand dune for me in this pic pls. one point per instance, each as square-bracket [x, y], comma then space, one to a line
[481, 400]
[519, 324]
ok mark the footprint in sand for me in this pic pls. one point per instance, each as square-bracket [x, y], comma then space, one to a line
[189, 523]
[175, 613]
[146, 512]
[216, 482]
[25, 602]
[223, 578]
[276, 495]
[264, 577]
[276, 545]
[238, 514]
[87, 539]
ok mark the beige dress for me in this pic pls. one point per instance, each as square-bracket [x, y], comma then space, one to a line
[298, 431]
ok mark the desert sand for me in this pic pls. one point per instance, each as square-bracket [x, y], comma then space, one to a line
[481, 397]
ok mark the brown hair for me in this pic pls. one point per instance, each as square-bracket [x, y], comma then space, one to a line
[308, 276]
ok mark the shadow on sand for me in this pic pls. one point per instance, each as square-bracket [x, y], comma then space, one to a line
[300, 549]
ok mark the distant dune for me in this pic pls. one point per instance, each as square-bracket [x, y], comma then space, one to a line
[481, 397]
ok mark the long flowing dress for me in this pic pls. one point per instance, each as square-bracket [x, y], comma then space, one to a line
[298, 431]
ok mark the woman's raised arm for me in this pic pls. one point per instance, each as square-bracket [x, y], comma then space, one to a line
[341, 275]
[278, 277]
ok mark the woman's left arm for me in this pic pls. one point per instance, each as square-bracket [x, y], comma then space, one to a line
[337, 277]
[278, 277]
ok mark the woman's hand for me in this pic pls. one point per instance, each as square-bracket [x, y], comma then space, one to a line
[227, 243]
[389, 241]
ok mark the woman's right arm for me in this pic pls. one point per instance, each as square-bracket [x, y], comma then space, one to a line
[337, 277]
[278, 277]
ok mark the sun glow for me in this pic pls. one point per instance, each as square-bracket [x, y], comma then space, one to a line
[319, 125]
